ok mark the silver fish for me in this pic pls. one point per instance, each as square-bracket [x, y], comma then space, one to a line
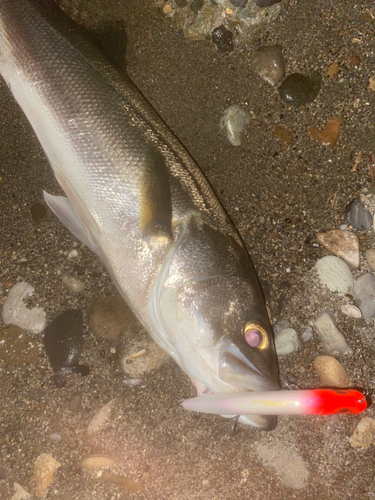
[136, 198]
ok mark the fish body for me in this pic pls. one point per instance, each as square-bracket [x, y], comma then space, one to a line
[136, 198]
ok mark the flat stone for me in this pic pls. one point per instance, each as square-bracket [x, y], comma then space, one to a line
[108, 316]
[359, 217]
[344, 244]
[370, 256]
[44, 470]
[332, 339]
[73, 284]
[101, 420]
[20, 493]
[268, 62]
[351, 311]
[16, 312]
[286, 342]
[364, 292]
[364, 435]
[331, 372]
[96, 462]
[307, 334]
[16, 347]
[335, 274]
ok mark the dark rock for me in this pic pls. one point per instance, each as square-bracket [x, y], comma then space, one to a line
[38, 212]
[238, 3]
[181, 3]
[359, 217]
[223, 39]
[63, 341]
[298, 89]
[196, 6]
[266, 3]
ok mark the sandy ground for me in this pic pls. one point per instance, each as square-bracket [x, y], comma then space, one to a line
[278, 200]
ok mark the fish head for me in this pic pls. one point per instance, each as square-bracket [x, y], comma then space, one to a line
[213, 314]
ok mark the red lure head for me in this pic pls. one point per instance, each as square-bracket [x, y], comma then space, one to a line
[341, 401]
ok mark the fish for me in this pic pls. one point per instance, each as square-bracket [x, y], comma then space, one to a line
[138, 200]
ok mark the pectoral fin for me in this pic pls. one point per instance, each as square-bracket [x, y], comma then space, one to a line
[65, 212]
[155, 201]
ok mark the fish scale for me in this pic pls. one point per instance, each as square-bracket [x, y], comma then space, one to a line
[139, 201]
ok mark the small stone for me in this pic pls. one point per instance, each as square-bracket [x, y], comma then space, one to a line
[354, 61]
[196, 6]
[307, 334]
[63, 342]
[20, 493]
[72, 283]
[96, 462]
[38, 212]
[137, 353]
[75, 402]
[55, 437]
[286, 342]
[73, 254]
[335, 274]
[298, 89]
[280, 325]
[364, 435]
[238, 3]
[359, 217]
[107, 316]
[102, 419]
[266, 3]
[234, 119]
[370, 256]
[332, 339]
[181, 3]
[269, 63]
[167, 9]
[16, 347]
[351, 311]
[223, 39]
[283, 135]
[364, 292]
[16, 312]
[331, 372]
[44, 470]
[344, 244]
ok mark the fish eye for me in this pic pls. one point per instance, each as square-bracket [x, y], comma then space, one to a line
[255, 335]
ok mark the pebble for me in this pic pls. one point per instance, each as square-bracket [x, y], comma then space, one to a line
[331, 372]
[63, 342]
[234, 119]
[101, 420]
[223, 39]
[96, 462]
[280, 325]
[286, 342]
[16, 312]
[137, 353]
[55, 437]
[332, 339]
[364, 292]
[72, 283]
[266, 3]
[16, 347]
[20, 493]
[288, 464]
[298, 89]
[359, 217]
[44, 470]
[335, 274]
[73, 254]
[370, 256]
[330, 134]
[344, 244]
[107, 316]
[351, 311]
[269, 63]
[307, 334]
[364, 435]
[38, 212]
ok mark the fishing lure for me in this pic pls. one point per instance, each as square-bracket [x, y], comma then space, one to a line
[299, 402]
